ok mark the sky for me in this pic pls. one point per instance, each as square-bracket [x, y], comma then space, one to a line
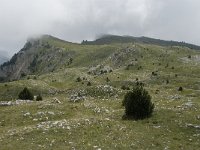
[77, 20]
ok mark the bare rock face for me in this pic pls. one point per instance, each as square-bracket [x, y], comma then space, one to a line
[18, 65]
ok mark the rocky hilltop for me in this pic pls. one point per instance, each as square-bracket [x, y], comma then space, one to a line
[37, 56]
[47, 54]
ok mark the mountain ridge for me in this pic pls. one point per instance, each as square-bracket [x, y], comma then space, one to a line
[108, 39]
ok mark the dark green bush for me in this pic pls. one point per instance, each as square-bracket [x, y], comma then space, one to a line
[78, 79]
[180, 88]
[154, 73]
[107, 79]
[125, 87]
[167, 81]
[138, 104]
[39, 98]
[89, 83]
[25, 94]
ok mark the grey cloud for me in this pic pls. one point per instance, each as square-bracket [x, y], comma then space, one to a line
[75, 20]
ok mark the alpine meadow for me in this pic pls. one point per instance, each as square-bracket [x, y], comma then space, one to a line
[116, 92]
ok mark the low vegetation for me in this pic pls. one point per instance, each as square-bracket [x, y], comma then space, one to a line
[81, 106]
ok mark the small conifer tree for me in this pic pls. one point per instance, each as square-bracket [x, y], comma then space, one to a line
[39, 98]
[138, 104]
[180, 88]
[25, 94]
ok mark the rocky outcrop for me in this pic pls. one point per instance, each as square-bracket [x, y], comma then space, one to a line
[37, 56]
[18, 64]
[100, 69]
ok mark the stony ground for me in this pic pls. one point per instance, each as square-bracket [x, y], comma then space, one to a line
[75, 115]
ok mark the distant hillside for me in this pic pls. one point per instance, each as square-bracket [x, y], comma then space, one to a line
[108, 39]
[47, 54]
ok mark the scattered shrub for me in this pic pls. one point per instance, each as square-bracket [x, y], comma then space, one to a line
[139, 83]
[89, 84]
[140, 67]
[180, 88]
[127, 68]
[107, 79]
[167, 81]
[157, 91]
[78, 79]
[138, 104]
[39, 98]
[70, 60]
[125, 87]
[25, 94]
[154, 74]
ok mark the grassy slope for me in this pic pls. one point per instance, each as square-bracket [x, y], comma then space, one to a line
[96, 122]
